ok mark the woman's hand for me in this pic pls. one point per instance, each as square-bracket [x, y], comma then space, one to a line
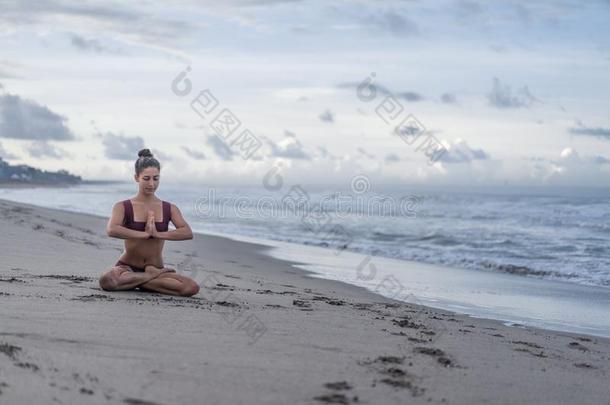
[151, 228]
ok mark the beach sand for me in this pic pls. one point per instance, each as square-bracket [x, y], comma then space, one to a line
[260, 331]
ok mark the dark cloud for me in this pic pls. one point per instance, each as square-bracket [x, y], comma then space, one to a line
[42, 149]
[325, 154]
[410, 96]
[460, 152]
[122, 147]
[289, 147]
[26, 119]
[600, 160]
[220, 148]
[449, 98]
[392, 158]
[501, 96]
[84, 44]
[364, 152]
[197, 155]
[327, 116]
[598, 132]
[392, 22]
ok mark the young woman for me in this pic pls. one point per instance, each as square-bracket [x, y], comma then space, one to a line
[141, 264]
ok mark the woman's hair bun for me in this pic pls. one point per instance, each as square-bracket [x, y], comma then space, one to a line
[145, 153]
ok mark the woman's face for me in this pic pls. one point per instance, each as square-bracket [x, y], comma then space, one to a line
[148, 180]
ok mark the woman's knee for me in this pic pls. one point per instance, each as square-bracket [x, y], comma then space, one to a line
[109, 280]
[189, 288]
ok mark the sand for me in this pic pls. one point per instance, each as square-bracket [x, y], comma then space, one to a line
[260, 331]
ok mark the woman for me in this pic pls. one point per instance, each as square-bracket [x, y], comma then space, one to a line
[141, 264]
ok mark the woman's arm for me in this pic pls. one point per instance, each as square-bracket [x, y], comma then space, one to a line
[183, 230]
[115, 228]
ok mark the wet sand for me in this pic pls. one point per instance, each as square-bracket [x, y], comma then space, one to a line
[260, 331]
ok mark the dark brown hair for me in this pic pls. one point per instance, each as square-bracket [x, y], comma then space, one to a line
[146, 159]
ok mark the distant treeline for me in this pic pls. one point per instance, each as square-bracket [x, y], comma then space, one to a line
[28, 174]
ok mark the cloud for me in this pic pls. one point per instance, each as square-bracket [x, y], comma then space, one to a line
[363, 152]
[466, 11]
[598, 132]
[197, 155]
[409, 96]
[503, 97]
[571, 166]
[26, 119]
[130, 24]
[289, 147]
[122, 147]
[498, 48]
[42, 149]
[392, 22]
[4, 154]
[460, 152]
[84, 44]
[162, 155]
[392, 158]
[220, 148]
[327, 116]
[325, 154]
[6, 71]
[449, 98]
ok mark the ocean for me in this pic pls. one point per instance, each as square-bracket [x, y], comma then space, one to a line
[501, 235]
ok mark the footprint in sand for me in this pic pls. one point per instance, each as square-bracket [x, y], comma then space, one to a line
[138, 401]
[440, 355]
[393, 375]
[338, 386]
[335, 399]
[576, 345]
[10, 350]
[301, 304]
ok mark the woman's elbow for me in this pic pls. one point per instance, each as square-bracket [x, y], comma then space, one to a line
[110, 231]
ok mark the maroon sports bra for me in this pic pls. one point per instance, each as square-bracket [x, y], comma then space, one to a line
[161, 226]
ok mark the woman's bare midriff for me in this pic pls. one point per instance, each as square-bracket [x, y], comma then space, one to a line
[143, 252]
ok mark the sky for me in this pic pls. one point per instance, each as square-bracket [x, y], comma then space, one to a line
[508, 92]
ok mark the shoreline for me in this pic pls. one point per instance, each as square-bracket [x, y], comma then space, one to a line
[322, 341]
[315, 260]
